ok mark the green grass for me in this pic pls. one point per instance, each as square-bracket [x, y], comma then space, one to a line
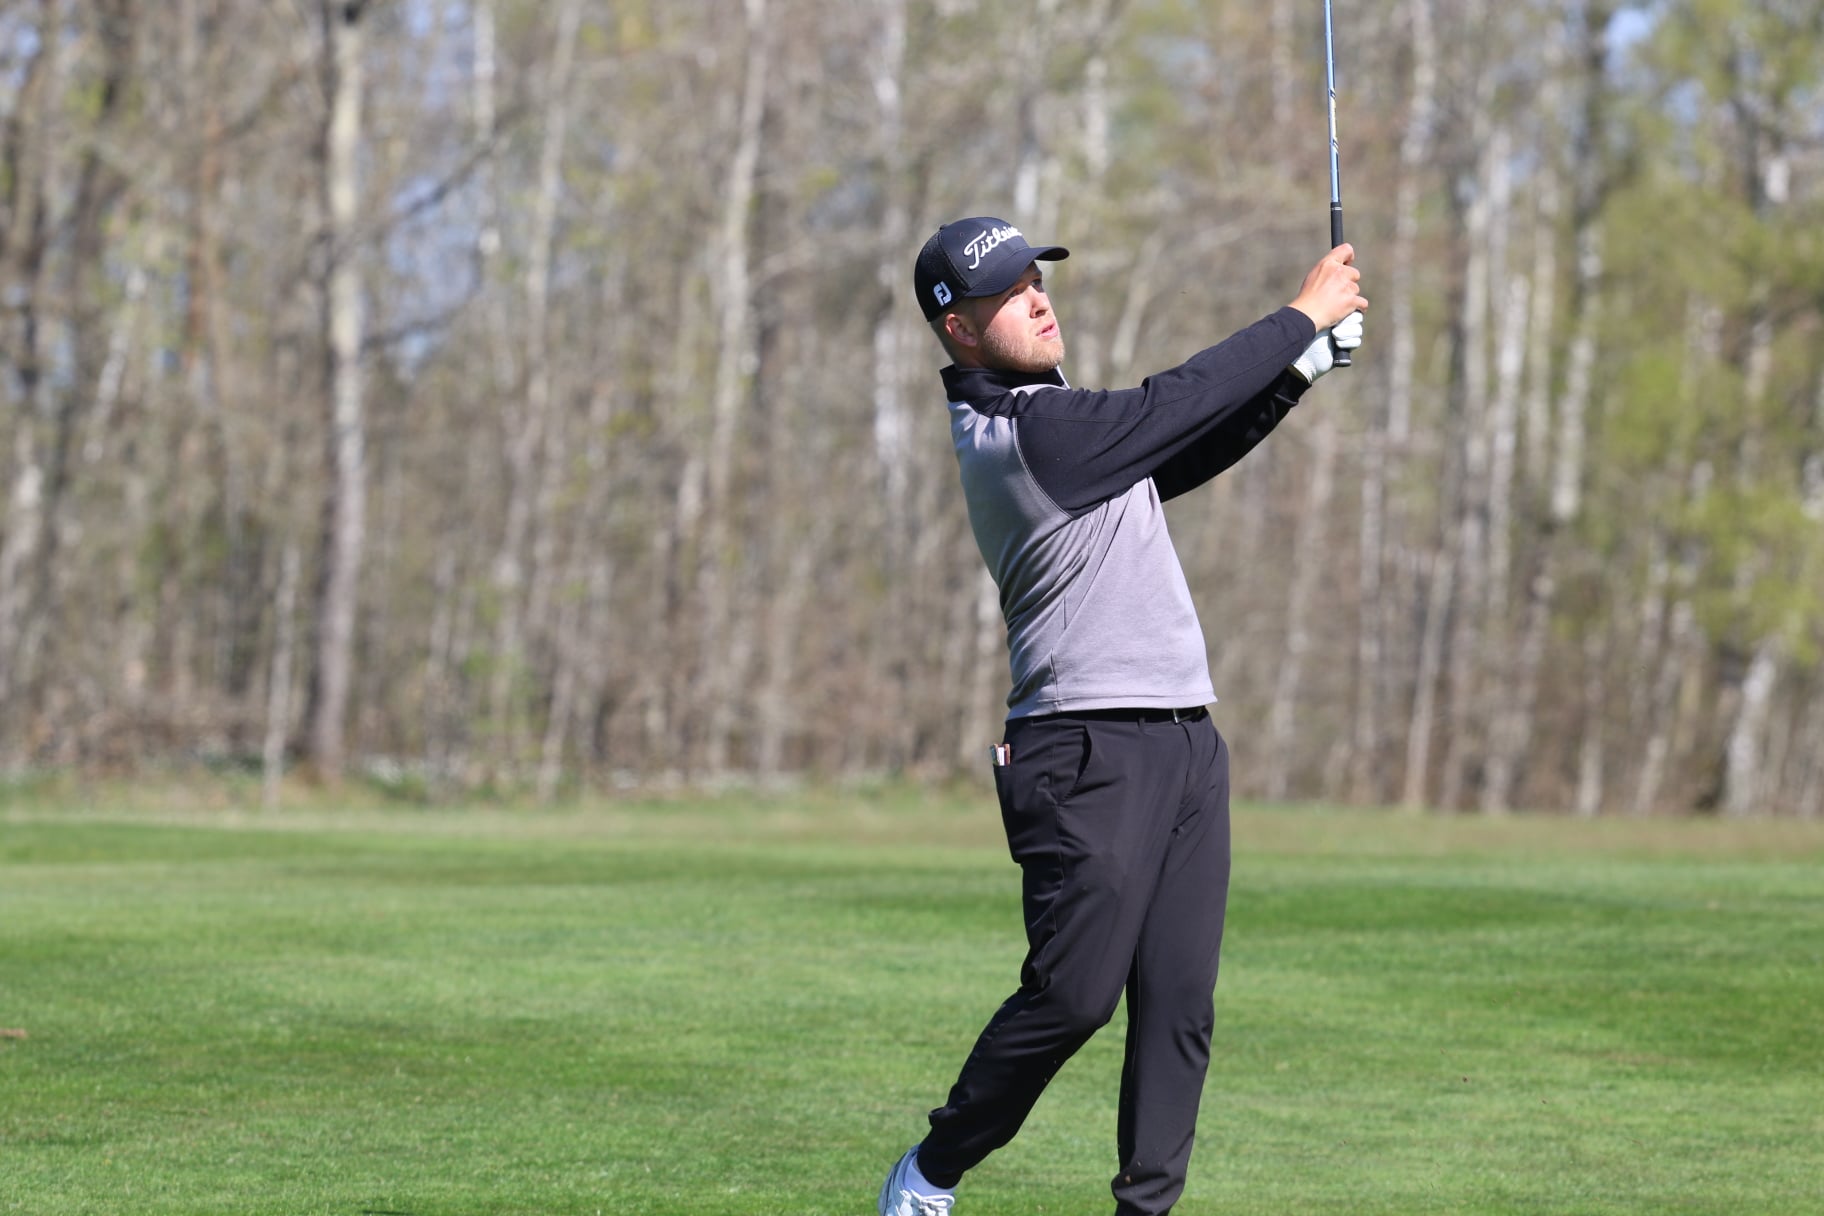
[747, 1006]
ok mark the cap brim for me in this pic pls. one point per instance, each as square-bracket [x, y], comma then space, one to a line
[995, 286]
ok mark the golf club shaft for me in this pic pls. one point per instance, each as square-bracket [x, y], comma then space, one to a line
[1336, 185]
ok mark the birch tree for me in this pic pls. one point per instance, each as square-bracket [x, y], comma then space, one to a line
[1389, 423]
[345, 506]
[721, 661]
[36, 153]
[534, 434]
[1588, 172]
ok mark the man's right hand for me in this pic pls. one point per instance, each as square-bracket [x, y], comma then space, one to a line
[1332, 290]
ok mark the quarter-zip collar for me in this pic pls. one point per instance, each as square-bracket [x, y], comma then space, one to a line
[985, 383]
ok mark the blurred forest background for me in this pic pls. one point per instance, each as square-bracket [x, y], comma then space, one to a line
[529, 394]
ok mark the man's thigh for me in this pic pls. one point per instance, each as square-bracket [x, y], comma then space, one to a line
[1088, 806]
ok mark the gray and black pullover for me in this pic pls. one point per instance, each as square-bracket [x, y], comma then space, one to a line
[1065, 487]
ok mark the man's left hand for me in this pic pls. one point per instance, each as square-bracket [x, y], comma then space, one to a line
[1320, 356]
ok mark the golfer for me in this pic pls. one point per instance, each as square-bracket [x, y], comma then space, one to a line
[1112, 780]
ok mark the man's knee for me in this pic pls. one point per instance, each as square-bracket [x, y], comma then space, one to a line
[1079, 1010]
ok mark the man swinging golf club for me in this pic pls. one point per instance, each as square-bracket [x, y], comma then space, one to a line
[1112, 780]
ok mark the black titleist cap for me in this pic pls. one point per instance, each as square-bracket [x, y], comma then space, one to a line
[974, 257]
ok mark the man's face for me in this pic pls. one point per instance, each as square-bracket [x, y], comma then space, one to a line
[1016, 330]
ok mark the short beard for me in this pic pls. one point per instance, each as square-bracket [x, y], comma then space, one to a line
[1030, 356]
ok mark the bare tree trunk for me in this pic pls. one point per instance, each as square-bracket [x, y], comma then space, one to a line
[453, 624]
[1745, 783]
[599, 670]
[1511, 316]
[441, 710]
[1035, 194]
[1547, 191]
[483, 81]
[1498, 633]
[1809, 795]
[1431, 661]
[892, 439]
[237, 615]
[345, 512]
[1681, 632]
[1513, 735]
[105, 446]
[1808, 785]
[1468, 508]
[1568, 458]
[1744, 775]
[666, 719]
[1500, 770]
[1388, 426]
[1782, 738]
[1650, 635]
[1592, 753]
[736, 356]
[1308, 567]
[784, 629]
[278, 683]
[34, 153]
[899, 627]
[23, 511]
[530, 447]
[979, 721]
[485, 112]
[1367, 730]
[1516, 692]
[564, 694]
[1679, 652]
[591, 655]
[1415, 155]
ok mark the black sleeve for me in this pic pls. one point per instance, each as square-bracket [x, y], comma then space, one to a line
[1187, 424]
[1234, 438]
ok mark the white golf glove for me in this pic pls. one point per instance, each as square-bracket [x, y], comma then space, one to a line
[1320, 356]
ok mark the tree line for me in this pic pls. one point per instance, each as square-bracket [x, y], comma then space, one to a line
[530, 395]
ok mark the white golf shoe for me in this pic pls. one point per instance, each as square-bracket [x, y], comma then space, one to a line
[907, 1193]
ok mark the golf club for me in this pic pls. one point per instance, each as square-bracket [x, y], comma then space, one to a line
[1336, 187]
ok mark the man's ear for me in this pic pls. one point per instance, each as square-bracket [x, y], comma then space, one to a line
[961, 329]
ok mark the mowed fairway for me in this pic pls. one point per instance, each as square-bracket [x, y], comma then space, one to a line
[747, 1006]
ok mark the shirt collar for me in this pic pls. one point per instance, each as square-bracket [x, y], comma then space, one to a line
[981, 383]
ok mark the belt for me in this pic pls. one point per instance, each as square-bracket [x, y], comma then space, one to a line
[1191, 713]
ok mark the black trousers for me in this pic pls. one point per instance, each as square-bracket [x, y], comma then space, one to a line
[1119, 821]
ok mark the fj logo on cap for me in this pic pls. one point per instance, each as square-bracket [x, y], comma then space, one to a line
[985, 242]
[942, 292]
